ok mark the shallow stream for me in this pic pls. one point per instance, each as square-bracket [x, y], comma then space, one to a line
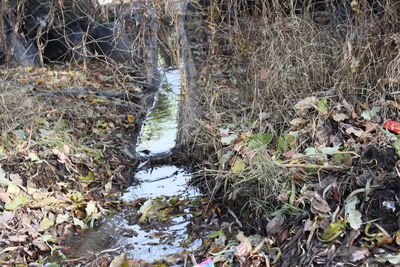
[156, 184]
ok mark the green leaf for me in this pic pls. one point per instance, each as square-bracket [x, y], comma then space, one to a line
[238, 166]
[16, 202]
[345, 159]
[282, 144]
[47, 238]
[97, 154]
[88, 177]
[225, 157]
[332, 231]
[259, 140]
[393, 259]
[216, 234]
[396, 146]
[34, 158]
[322, 105]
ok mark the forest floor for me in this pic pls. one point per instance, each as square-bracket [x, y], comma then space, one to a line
[65, 155]
[296, 141]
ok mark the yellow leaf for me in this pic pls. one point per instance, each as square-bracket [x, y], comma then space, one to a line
[45, 224]
[238, 166]
[13, 189]
[131, 118]
[99, 100]
[28, 69]
[332, 231]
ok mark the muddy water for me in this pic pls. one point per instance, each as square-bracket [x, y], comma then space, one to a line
[158, 137]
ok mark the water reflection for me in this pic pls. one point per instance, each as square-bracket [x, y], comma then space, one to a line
[160, 129]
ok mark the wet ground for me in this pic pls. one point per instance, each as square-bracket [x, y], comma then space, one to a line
[144, 230]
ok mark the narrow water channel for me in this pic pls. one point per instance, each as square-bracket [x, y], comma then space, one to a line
[156, 184]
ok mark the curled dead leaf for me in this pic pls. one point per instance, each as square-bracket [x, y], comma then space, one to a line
[319, 204]
[275, 224]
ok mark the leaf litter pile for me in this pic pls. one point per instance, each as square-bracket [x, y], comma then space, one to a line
[64, 155]
[303, 156]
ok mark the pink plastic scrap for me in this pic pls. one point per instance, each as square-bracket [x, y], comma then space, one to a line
[206, 263]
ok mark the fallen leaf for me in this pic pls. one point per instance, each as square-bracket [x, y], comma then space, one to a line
[91, 209]
[244, 248]
[356, 131]
[227, 140]
[45, 224]
[393, 259]
[359, 254]
[338, 117]
[319, 204]
[332, 231]
[120, 261]
[16, 202]
[352, 214]
[18, 238]
[275, 224]
[305, 103]
[6, 216]
[298, 122]
[238, 166]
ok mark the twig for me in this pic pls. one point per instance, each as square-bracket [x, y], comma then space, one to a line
[75, 91]
[322, 154]
[313, 166]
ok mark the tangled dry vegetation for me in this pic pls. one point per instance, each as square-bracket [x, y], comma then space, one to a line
[292, 108]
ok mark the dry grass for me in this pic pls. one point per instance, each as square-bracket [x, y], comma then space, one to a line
[258, 66]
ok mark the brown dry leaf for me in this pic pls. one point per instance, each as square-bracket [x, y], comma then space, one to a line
[359, 254]
[275, 224]
[8, 249]
[64, 159]
[370, 126]
[18, 238]
[384, 240]
[41, 245]
[289, 154]
[305, 103]
[244, 248]
[319, 204]
[6, 216]
[5, 197]
[298, 122]
[356, 131]
[338, 117]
